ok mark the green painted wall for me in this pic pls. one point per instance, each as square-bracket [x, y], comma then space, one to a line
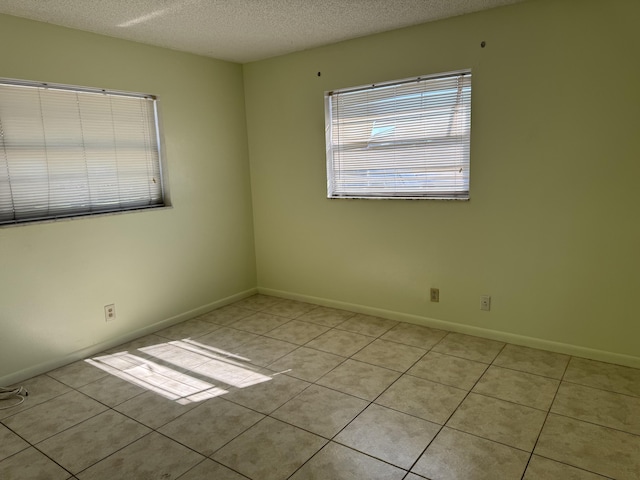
[56, 277]
[551, 230]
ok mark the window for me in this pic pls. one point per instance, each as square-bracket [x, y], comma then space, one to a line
[403, 139]
[67, 151]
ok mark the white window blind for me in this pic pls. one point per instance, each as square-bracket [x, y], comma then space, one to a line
[67, 152]
[404, 139]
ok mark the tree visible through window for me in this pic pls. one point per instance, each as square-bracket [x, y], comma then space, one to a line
[403, 139]
[68, 151]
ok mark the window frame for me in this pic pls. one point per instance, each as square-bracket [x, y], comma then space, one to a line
[335, 148]
[149, 145]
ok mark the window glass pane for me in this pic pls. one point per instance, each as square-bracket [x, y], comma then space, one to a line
[408, 139]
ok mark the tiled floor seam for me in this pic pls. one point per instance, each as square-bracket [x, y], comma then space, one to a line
[568, 465]
[512, 402]
[535, 444]
[73, 475]
[452, 413]
[114, 452]
[70, 426]
[402, 373]
[371, 402]
[42, 453]
[637, 397]
[415, 462]
[381, 393]
[203, 461]
[350, 448]
[521, 371]
[594, 424]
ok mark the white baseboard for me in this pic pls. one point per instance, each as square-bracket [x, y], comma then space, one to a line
[540, 343]
[568, 349]
[54, 363]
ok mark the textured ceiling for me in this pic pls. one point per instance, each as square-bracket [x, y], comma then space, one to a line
[241, 30]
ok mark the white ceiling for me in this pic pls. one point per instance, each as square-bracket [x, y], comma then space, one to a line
[241, 30]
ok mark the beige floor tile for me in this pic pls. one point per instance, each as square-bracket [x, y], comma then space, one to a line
[592, 431]
[30, 464]
[307, 364]
[265, 397]
[606, 376]
[337, 462]
[81, 446]
[320, 410]
[226, 339]
[258, 302]
[10, 443]
[505, 422]
[329, 317]
[77, 374]
[340, 342]
[41, 389]
[259, 322]
[422, 398]
[262, 351]
[153, 456]
[414, 335]
[449, 370]
[152, 409]
[297, 332]
[608, 409]
[290, 308]
[210, 425]
[176, 353]
[135, 344]
[541, 468]
[392, 436]
[210, 470]
[189, 329]
[392, 355]
[226, 315]
[531, 360]
[367, 325]
[518, 387]
[471, 348]
[456, 455]
[590, 447]
[156, 369]
[53, 416]
[270, 450]
[226, 373]
[111, 390]
[359, 379]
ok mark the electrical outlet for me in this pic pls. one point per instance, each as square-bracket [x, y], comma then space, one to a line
[110, 312]
[485, 302]
[435, 294]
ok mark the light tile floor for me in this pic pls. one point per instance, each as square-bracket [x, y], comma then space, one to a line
[272, 389]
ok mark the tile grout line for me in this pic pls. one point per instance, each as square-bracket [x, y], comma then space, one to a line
[535, 444]
[444, 424]
[370, 402]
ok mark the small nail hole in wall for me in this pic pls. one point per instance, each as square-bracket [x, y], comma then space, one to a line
[319, 73]
[483, 44]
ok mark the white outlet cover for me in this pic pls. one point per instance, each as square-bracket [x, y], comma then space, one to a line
[109, 313]
[485, 302]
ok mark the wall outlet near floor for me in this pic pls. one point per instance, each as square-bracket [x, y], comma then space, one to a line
[110, 312]
[434, 294]
[485, 302]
